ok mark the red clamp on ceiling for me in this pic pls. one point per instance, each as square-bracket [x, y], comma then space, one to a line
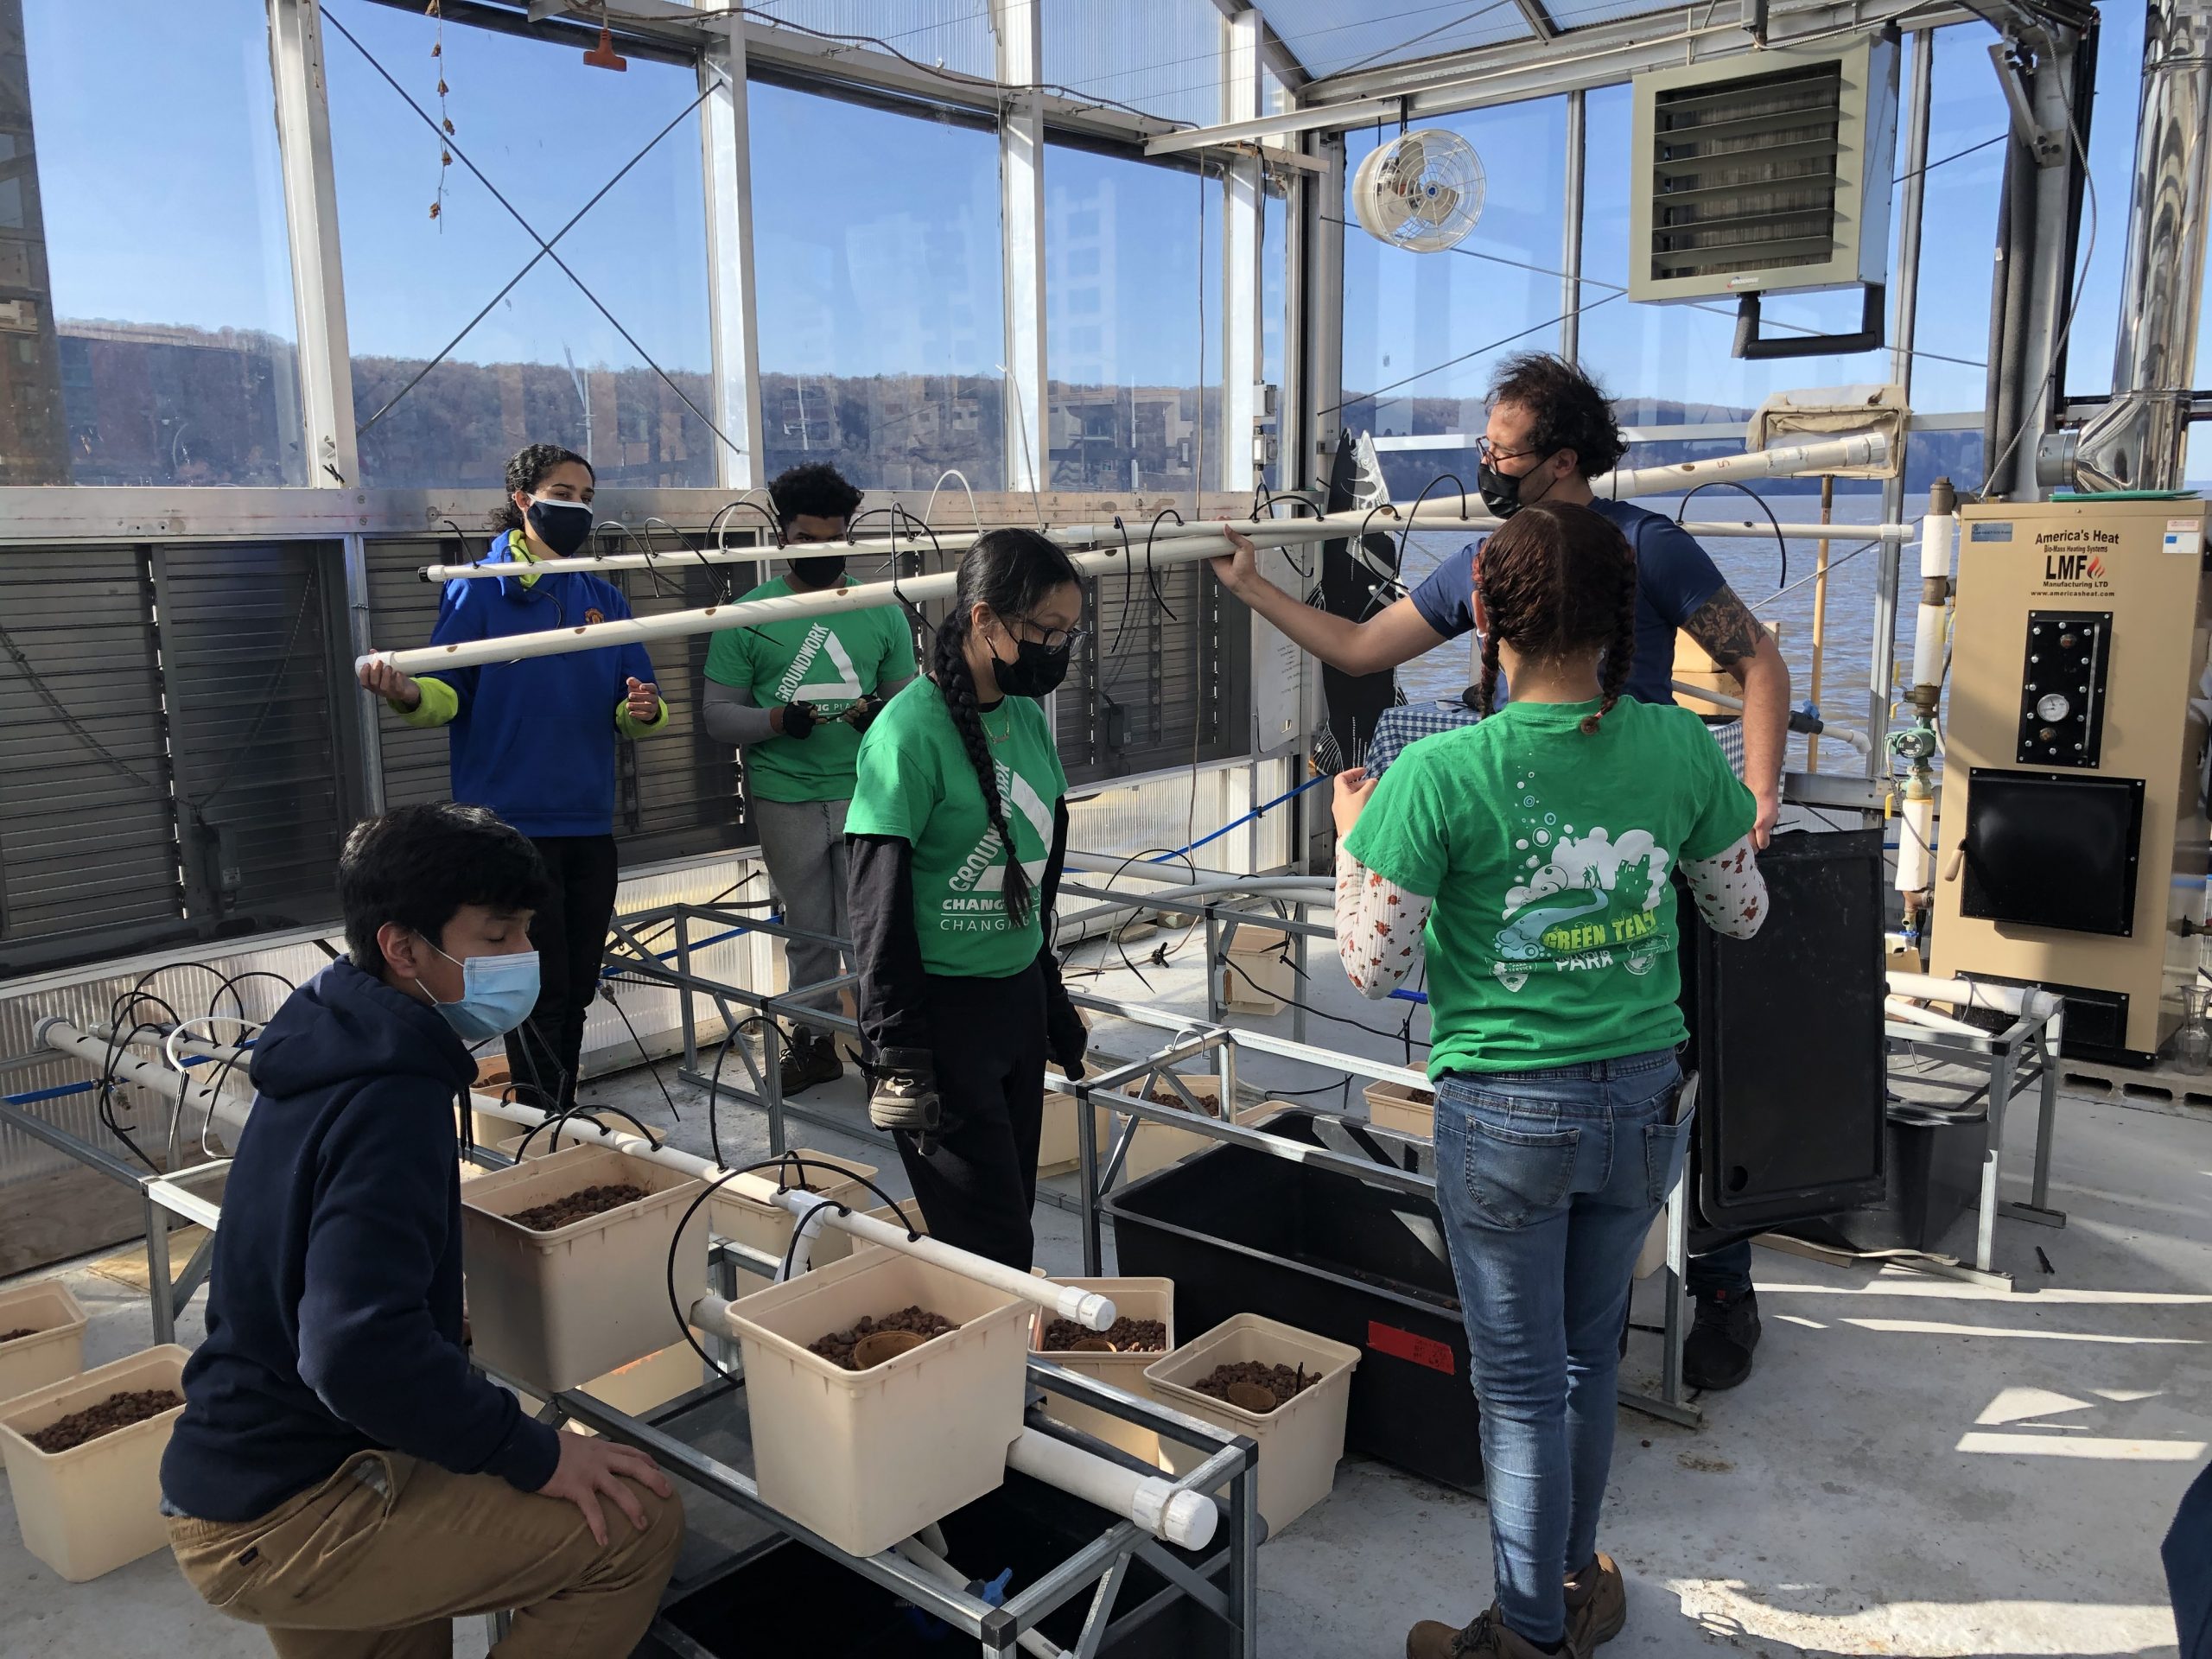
[603, 55]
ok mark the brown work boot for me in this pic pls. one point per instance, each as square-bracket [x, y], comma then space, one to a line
[1596, 1605]
[1486, 1639]
[809, 1058]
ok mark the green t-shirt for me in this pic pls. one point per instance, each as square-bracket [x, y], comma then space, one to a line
[830, 661]
[917, 783]
[1552, 939]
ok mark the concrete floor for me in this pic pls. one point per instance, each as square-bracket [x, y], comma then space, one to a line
[1917, 1466]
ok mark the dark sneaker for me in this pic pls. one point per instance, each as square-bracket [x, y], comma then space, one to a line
[809, 1060]
[1486, 1639]
[1596, 1605]
[1719, 1352]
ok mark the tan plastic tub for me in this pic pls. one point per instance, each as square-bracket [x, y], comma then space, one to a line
[1257, 979]
[55, 1348]
[866, 1458]
[746, 1210]
[1301, 1440]
[1058, 1151]
[97, 1506]
[1134, 1298]
[554, 1310]
[1401, 1110]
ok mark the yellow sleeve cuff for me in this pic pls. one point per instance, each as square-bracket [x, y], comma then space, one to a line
[440, 703]
[629, 727]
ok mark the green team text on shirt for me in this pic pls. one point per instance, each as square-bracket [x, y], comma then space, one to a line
[916, 782]
[830, 661]
[1548, 851]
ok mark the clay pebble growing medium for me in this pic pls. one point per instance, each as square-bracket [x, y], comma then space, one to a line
[12, 1335]
[1251, 1386]
[117, 1411]
[590, 1201]
[1126, 1335]
[837, 1347]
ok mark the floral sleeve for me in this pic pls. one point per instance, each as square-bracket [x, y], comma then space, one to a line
[1730, 892]
[1378, 928]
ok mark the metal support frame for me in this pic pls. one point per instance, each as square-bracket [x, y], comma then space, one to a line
[1570, 252]
[1018, 26]
[1243, 209]
[732, 315]
[325, 365]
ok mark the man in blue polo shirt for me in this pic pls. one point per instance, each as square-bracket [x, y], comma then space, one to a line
[1551, 430]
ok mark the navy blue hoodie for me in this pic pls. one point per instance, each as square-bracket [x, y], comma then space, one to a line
[334, 1310]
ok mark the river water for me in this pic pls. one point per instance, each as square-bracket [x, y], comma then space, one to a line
[1754, 570]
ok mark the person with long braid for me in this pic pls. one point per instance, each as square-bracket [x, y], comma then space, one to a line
[1530, 857]
[955, 835]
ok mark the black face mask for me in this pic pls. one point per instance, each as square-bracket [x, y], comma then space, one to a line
[820, 570]
[1036, 670]
[564, 526]
[1502, 490]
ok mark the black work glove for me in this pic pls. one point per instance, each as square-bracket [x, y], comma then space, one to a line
[861, 713]
[1066, 1038]
[904, 1096]
[799, 719]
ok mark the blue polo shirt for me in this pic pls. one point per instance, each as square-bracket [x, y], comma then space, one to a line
[1674, 577]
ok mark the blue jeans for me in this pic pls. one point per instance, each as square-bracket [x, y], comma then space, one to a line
[1548, 1182]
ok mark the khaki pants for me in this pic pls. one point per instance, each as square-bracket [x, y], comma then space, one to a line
[377, 1562]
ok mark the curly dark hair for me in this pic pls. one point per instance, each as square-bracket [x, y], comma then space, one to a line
[525, 473]
[815, 490]
[1567, 409]
[1557, 580]
[418, 865]
[1012, 571]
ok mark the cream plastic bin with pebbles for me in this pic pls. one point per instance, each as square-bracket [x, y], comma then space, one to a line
[1143, 1332]
[747, 1209]
[1259, 977]
[41, 1337]
[94, 1502]
[1402, 1109]
[1287, 1388]
[1155, 1145]
[567, 1259]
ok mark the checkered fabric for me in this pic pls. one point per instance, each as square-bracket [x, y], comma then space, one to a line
[1410, 722]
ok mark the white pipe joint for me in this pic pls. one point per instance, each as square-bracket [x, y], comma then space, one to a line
[1185, 1519]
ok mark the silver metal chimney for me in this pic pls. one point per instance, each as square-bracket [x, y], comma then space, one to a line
[2139, 440]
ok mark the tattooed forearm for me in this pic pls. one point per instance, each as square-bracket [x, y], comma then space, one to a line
[1729, 632]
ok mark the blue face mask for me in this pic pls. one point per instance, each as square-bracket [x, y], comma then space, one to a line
[497, 994]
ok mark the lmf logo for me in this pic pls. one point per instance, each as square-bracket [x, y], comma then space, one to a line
[2072, 567]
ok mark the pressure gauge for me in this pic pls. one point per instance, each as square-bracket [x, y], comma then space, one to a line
[2053, 707]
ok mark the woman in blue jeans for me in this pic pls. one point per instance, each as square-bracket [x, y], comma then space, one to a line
[1532, 854]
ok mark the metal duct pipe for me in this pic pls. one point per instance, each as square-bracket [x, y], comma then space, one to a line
[2139, 440]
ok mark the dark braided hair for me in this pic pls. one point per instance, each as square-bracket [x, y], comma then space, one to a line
[1555, 581]
[525, 473]
[1012, 572]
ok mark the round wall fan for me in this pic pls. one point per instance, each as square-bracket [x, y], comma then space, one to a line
[1423, 191]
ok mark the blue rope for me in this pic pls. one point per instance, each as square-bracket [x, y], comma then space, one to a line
[1262, 810]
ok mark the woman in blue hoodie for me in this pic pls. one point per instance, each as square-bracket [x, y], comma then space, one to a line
[534, 739]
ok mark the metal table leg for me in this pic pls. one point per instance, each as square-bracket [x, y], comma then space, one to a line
[2001, 1092]
[158, 1287]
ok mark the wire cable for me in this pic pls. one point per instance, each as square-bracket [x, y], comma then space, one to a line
[1781, 546]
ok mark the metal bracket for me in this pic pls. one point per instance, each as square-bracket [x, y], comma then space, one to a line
[1754, 347]
[2046, 144]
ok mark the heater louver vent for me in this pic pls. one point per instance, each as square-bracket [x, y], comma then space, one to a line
[1762, 175]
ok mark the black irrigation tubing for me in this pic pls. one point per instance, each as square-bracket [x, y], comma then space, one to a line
[644, 1059]
[555, 1121]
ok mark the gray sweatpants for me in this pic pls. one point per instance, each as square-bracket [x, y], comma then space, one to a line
[803, 842]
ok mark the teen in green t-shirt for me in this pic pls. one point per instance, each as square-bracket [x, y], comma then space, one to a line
[958, 826]
[794, 696]
[1530, 858]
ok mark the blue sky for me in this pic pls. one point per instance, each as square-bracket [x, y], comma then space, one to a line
[878, 232]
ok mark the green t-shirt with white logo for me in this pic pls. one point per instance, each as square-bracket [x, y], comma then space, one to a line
[1549, 852]
[916, 782]
[830, 661]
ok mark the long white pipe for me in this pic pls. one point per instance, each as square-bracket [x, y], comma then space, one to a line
[1938, 535]
[228, 1110]
[1182, 1518]
[2028, 999]
[1087, 1308]
[1437, 511]
[1915, 1014]
[1735, 705]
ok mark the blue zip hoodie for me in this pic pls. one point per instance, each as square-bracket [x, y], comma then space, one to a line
[534, 739]
[334, 1312]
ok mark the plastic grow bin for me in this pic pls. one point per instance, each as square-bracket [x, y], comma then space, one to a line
[1300, 1441]
[780, 1596]
[1155, 1145]
[554, 1310]
[97, 1506]
[867, 1458]
[1134, 1298]
[55, 1348]
[1258, 977]
[1934, 1176]
[1240, 1231]
[1057, 1149]
[746, 1210]
[1402, 1110]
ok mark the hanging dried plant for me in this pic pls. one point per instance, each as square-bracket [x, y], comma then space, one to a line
[435, 10]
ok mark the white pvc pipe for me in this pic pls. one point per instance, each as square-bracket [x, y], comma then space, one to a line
[1182, 1518]
[1735, 705]
[1899, 1008]
[1938, 535]
[925, 1554]
[1915, 854]
[228, 1110]
[2028, 999]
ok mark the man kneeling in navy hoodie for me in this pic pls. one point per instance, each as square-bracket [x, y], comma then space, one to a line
[339, 1475]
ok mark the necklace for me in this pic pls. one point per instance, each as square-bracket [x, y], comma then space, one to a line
[999, 737]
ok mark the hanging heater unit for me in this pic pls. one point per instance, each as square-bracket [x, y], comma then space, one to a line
[1763, 174]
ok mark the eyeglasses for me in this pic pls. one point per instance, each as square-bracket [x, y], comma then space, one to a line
[1054, 638]
[1490, 453]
